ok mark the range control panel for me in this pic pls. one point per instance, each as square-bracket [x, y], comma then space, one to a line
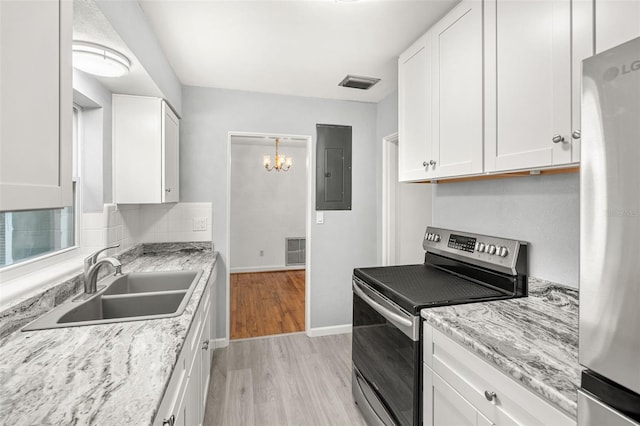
[486, 250]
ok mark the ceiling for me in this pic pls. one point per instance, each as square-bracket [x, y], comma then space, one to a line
[294, 47]
[89, 24]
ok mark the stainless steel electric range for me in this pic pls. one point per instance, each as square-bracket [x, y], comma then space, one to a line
[459, 267]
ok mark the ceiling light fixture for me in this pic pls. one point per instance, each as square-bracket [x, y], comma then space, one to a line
[99, 60]
[282, 163]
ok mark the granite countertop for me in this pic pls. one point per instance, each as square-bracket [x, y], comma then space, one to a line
[533, 339]
[101, 374]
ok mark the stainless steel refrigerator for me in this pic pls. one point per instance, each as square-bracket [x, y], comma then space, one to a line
[610, 238]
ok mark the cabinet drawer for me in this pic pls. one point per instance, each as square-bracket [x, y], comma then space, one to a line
[472, 377]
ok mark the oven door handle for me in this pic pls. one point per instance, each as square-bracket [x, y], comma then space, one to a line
[382, 310]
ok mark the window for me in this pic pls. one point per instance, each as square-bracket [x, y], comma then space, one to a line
[26, 235]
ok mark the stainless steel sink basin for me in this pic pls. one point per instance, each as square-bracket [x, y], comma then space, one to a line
[130, 297]
[145, 282]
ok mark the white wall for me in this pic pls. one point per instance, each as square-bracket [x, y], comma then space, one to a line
[542, 210]
[346, 240]
[95, 161]
[266, 207]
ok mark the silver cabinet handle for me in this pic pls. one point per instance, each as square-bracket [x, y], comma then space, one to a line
[168, 190]
[170, 421]
[433, 163]
[558, 139]
[205, 345]
[424, 164]
[576, 134]
[491, 396]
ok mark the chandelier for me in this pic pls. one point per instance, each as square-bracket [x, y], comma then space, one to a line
[282, 162]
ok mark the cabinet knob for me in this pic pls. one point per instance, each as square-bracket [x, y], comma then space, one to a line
[576, 134]
[558, 139]
[205, 345]
[433, 163]
[491, 396]
[424, 164]
[168, 190]
[170, 421]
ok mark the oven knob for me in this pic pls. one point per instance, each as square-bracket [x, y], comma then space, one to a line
[436, 237]
[491, 249]
[503, 252]
[480, 247]
[430, 236]
[477, 248]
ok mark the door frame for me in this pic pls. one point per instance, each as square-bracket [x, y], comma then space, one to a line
[389, 191]
[308, 222]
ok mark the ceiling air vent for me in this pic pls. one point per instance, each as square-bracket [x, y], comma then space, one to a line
[357, 82]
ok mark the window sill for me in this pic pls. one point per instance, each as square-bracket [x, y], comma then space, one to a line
[21, 282]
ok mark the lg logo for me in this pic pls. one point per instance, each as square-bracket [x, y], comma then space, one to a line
[613, 72]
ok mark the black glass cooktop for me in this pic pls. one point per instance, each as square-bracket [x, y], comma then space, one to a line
[414, 287]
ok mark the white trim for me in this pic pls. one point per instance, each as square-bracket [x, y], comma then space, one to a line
[309, 211]
[387, 156]
[271, 268]
[222, 342]
[327, 331]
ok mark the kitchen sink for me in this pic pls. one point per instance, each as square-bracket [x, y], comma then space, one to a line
[130, 297]
[145, 282]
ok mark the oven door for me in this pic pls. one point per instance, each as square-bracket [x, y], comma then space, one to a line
[386, 358]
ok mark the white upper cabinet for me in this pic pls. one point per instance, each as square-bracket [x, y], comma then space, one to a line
[145, 151]
[582, 47]
[457, 91]
[528, 84]
[617, 21]
[414, 111]
[36, 105]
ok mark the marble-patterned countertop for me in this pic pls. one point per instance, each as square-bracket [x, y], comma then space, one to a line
[101, 374]
[534, 339]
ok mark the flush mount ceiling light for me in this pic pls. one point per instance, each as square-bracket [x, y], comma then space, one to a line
[282, 163]
[99, 60]
[357, 82]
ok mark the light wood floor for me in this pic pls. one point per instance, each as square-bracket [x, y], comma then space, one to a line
[266, 303]
[283, 380]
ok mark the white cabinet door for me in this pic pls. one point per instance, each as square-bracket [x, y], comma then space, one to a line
[617, 21]
[145, 151]
[528, 70]
[450, 408]
[170, 155]
[582, 47]
[457, 91]
[414, 111]
[36, 104]
[205, 360]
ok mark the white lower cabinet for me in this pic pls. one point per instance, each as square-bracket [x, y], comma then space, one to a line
[460, 388]
[184, 401]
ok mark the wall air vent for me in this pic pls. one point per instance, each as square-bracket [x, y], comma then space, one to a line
[357, 82]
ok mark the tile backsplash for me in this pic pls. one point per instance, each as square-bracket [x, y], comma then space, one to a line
[129, 225]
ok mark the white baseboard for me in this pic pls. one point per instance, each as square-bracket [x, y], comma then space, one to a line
[266, 269]
[326, 331]
[220, 343]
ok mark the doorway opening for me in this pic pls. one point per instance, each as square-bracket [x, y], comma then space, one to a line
[268, 229]
[406, 210]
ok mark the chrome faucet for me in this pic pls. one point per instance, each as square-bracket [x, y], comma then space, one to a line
[92, 266]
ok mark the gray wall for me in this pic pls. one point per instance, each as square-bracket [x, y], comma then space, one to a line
[386, 124]
[266, 207]
[543, 210]
[346, 240]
